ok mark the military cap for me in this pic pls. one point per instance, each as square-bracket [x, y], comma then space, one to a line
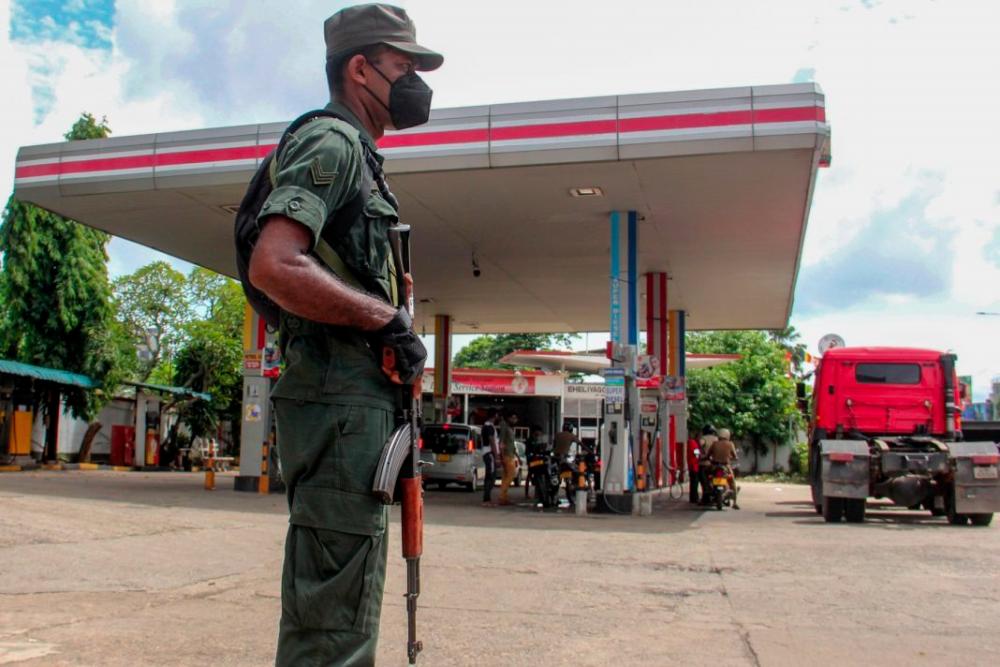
[356, 27]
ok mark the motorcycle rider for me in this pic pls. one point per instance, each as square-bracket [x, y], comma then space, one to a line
[564, 442]
[723, 453]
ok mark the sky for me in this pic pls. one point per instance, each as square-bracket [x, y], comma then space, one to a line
[903, 240]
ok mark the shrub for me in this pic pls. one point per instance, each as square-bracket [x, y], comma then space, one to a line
[798, 460]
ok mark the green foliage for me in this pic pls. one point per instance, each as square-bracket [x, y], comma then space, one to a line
[55, 293]
[218, 299]
[153, 307]
[789, 340]
[193, 327]
[486, 351]
[753, 397]
[87, 127]
[798, 460]
[211, 362]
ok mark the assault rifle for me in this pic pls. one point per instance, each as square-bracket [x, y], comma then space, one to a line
[398, 473]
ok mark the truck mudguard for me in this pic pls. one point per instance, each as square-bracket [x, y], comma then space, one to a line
[846, 468]
[977, 484]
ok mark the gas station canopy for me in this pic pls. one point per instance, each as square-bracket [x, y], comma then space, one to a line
[721, 180]
[593, 363]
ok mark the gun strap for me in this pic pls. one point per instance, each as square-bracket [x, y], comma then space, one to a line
[335, 264]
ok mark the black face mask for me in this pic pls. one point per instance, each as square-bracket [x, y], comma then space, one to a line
[409, 100]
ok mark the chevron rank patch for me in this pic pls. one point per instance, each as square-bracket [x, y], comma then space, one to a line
[319, 175]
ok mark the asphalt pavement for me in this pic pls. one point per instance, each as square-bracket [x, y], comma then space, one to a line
[116, 568]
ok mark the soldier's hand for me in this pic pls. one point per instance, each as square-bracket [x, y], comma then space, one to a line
[399, 350]
[408, 279]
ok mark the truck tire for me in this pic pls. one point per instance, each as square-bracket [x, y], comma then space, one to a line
[815, 478]
[981, 519]
[954, 518]
[854, 510]
[833, 509]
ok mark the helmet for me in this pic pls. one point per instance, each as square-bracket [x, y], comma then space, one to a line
[724, 434]
[708, 429]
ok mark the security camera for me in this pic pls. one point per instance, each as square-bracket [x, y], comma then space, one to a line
[476, 271]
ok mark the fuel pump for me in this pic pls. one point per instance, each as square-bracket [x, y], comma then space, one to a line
[649, 420]
[620, 439]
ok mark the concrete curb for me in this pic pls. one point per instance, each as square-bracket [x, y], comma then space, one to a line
[73, 466]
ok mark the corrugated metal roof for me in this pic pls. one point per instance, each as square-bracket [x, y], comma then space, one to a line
[176, 391]
[53, 375]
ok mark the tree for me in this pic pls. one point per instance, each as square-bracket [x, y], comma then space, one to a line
[487, 351]
[211, 360]
[56, 297]
[789, 339]
[753, 397]
[153, 307]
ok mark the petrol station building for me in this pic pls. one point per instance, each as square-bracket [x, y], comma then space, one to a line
[644, 215]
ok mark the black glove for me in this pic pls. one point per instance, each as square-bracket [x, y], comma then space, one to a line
[399, 350]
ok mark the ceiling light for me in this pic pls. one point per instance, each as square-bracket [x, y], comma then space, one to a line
[592, 191]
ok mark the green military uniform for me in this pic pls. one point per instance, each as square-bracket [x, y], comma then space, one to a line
[333, 405]
[334, 410]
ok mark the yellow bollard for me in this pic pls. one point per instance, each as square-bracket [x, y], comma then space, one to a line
[210, 475]
[264, 485]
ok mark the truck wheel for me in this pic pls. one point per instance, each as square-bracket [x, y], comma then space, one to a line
[981, 519]
[833, 509]
[854, 510]
[815, 478]
[954, 518]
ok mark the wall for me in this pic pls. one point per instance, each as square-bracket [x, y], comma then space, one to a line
[71, 431]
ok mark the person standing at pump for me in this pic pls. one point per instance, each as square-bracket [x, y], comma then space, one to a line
[334, 404]
[694, 477]
[509, 452]
[491, 455]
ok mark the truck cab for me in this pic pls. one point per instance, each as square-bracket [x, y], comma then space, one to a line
[886, 423]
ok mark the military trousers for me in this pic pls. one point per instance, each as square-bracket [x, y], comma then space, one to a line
[335, 549]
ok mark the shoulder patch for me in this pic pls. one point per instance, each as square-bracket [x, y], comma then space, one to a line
[319, 175]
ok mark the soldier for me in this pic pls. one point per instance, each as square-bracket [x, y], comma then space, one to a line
[335, 404]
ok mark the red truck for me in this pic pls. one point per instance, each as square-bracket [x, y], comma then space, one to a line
[886, 423]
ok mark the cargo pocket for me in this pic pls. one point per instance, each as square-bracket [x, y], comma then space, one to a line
[335, 566]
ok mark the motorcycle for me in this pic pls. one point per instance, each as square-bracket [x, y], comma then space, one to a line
[578, 470]
[544, 473]
[721, 494]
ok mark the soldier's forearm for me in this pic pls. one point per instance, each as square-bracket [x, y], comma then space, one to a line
[282, 268]
[313, 293]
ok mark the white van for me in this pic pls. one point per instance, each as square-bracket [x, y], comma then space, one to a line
[455, 450]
